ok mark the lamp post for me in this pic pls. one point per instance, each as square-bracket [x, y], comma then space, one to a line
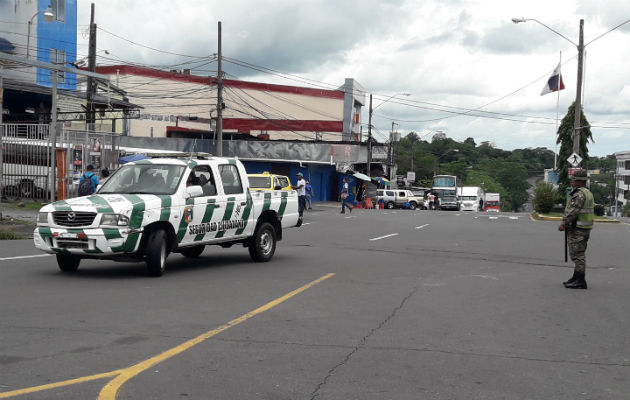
[578, 90]
[371, 111]
[48, 17]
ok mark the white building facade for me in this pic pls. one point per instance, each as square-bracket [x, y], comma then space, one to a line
[622, 177]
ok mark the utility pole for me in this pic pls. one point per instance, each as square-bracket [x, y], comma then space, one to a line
[577, 118]
[90, 119]
[52, 136]
[369, 155]
[219, 100]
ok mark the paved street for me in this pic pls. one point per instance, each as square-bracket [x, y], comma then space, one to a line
[393, 304]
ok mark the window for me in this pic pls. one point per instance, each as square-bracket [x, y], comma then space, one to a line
[58, 57]
[59, 9]
[231, 179]
[627, 164]
[203, 177]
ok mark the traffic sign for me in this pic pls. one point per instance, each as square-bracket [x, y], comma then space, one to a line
[574, 159]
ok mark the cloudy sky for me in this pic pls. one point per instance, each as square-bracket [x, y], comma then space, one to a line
[469, 70]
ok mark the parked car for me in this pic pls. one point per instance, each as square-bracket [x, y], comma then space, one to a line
[267, 181]
[397, 198]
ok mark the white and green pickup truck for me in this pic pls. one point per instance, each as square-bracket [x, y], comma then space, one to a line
[150, 208]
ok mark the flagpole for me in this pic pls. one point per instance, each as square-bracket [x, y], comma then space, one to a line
[555, 153]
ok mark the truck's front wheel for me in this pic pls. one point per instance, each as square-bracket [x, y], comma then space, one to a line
[68, 262]
[412, 205]
[263, 243]
[156, 253]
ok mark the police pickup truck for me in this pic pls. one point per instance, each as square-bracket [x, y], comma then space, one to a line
[150, 208]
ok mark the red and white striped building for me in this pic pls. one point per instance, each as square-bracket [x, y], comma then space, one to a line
[178, 104]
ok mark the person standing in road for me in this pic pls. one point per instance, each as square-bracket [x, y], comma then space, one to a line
[310, 193]
[301, 192]
[431, 200]
[480, 204]
[345, 191]
[578, 223]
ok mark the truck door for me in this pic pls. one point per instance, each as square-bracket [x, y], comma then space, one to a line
[201, 215]
[237, 218]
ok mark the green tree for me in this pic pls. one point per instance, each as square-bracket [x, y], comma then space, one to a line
[544, 197]
[565, 140]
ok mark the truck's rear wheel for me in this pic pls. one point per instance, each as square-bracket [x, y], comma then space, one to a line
[263, 243]
[156, 253]
[389, 205]
[412, 205]
[193, 252]
[68, 262]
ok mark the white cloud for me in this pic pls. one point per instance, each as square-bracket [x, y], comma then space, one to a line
[461, 53]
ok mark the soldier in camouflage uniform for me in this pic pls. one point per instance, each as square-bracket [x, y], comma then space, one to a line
[578, 222]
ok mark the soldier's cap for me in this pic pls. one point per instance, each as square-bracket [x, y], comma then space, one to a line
[579, 175]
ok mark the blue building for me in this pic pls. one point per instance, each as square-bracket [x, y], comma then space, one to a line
[42, 30]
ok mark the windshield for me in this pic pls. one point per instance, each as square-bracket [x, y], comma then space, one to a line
[469, 197]
[260, 182]
[444, 181]
[144, 179]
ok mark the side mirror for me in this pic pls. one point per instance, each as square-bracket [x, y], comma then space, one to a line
[194, 191]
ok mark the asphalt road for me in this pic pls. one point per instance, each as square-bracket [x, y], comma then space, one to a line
[380, 305]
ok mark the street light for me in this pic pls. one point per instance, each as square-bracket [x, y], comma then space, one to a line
[578, 90]
[48, 17]
[369, 155]
[438, 159]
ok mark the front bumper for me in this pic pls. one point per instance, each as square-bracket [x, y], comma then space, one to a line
[94, 241]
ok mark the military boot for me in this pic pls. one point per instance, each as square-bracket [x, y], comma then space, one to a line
[572, 279]
[579, 283]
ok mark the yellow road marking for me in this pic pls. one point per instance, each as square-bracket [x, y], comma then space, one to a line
[110, 390]
[121, 376]
[69, 382]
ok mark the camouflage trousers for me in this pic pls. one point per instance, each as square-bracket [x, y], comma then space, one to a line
[577, 239]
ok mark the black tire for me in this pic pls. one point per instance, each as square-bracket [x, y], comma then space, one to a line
[413, 205]
[389, 205]
[193, 252]
[156, 253]
[68, 262]
[262, 245]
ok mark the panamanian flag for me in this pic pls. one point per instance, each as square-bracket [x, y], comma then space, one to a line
[554, 83]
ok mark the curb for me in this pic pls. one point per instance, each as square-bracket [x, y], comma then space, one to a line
[536, 217]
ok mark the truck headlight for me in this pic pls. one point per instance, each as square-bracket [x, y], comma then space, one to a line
[42, 218]
[114, 219]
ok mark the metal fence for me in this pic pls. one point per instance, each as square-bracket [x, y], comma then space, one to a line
[26, 169]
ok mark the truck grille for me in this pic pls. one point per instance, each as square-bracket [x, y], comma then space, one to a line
[73, 218]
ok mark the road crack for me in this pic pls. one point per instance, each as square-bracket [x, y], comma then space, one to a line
[362, 343]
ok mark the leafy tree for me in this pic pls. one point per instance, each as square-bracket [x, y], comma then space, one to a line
[544, 197]
[565, 140]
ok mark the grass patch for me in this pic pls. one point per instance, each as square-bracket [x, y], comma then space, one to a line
[30, 205]
[550, 214]
[10, 235]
